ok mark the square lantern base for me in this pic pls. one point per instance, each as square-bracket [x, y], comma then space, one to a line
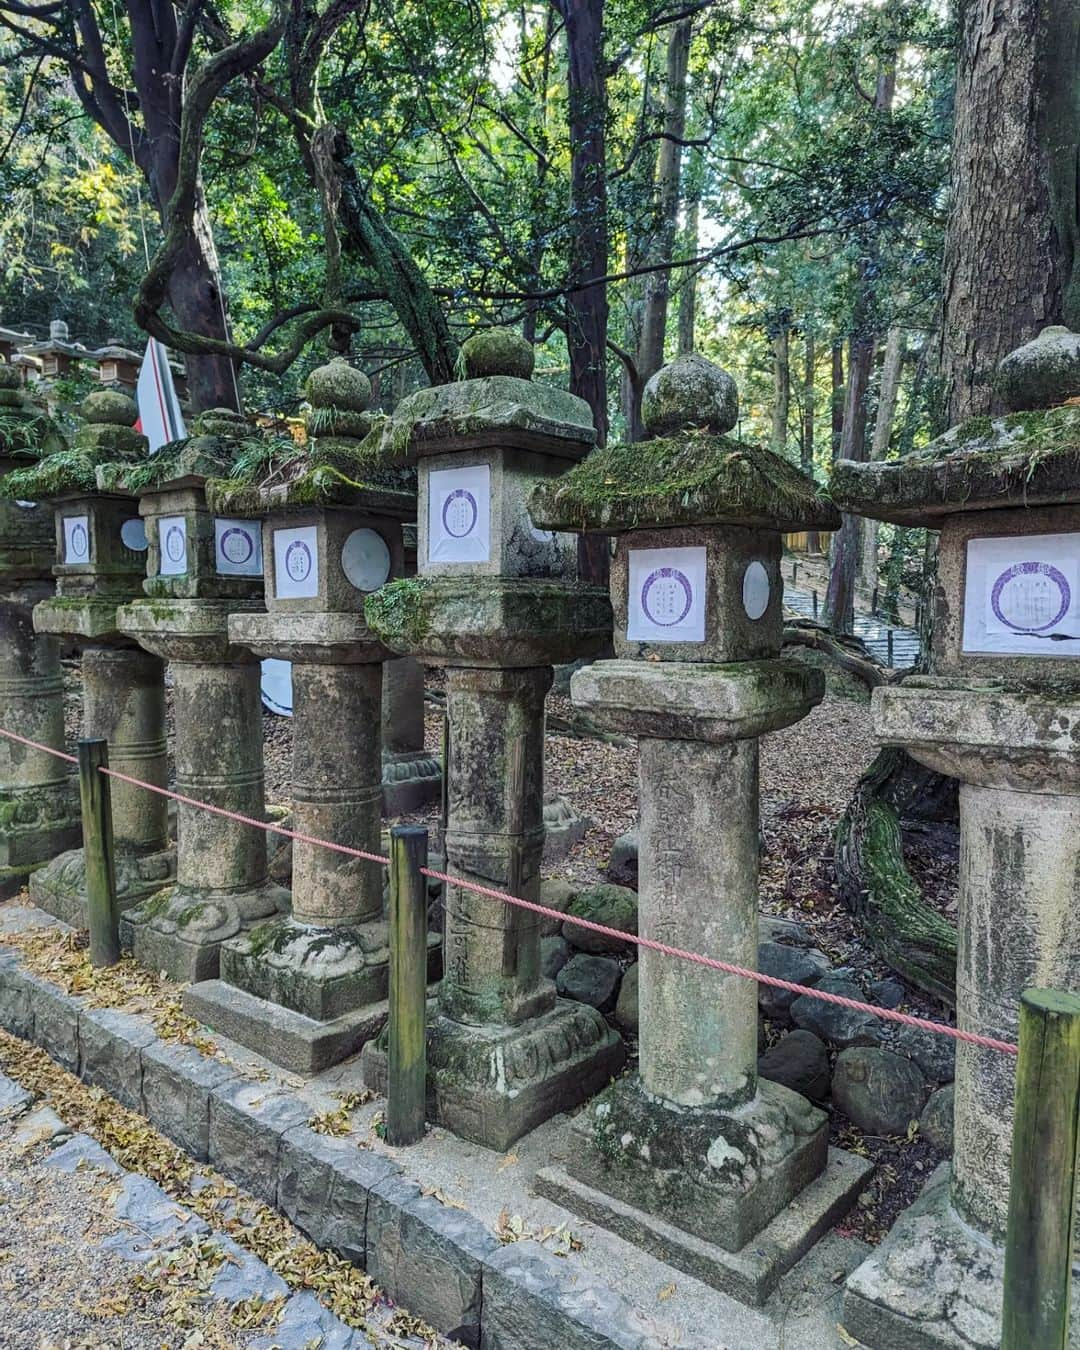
[750, 1274]
[410, 781]
[59, 888]
[935, 1283]
[493, 1084]
[42, 822]
[720, 1173]
[180, 930]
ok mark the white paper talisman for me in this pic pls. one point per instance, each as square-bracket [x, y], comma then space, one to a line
[365, 559]
[238, 547]
[296, 563]
[172, 542]
[76, 539]
[459, 514]
[1022, 595]
[667, 595]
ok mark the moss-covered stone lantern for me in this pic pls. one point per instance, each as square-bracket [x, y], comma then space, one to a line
[308, 989]
[1000, 712]
[200, 568]
[39, 806]
[100, 556]
[496, 602]
[729, 1174]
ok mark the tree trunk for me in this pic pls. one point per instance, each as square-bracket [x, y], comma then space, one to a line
[688, 285]
[891, 365]
[196, 300]
[781, 389]
[1013, 228]
[840, 595]
[806, 440]
[669, 163]
[587, 306]
[837, 404]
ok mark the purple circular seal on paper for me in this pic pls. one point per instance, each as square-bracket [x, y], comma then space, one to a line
[298, 560]
[237, 545]
[79, 541]
[459, 513]
[174, 543]
[666, 596]
[1030, 597]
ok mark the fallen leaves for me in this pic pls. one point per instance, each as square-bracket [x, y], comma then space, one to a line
[513, 1228]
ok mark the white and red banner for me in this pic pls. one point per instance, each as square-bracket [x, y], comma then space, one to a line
[160, 419]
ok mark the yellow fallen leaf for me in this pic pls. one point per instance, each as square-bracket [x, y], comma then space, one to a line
[667, 1291]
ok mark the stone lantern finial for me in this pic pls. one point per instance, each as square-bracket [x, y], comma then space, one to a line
[108, 407]
[338, 385]
[690, 393]
[1041, 373]
[497, 351]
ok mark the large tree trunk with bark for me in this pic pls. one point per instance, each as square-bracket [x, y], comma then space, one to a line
[781, 347]
[587, 305]
[806, 430]
[1014, 226]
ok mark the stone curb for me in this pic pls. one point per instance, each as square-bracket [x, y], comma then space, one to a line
[441, 1263]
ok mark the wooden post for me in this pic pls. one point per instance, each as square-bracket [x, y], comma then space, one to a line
[889, 641]
[873, 601]
[102, 913]
[794, 571]
[1042, 1187]
[815, 603]
[406, 1088]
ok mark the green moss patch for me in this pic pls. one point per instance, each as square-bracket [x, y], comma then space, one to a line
[399, 612]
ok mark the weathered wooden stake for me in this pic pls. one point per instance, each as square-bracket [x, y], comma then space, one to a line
[1042, 1188]
[814, 593]
[102, 912]
[407, 1029]
[889, 640]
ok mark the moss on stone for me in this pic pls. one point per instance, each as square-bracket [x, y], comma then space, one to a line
[338, 385]
[109, 407]
[497, 351]
[693, 478]
[1027, 458]
[690, 392]
[399, 612]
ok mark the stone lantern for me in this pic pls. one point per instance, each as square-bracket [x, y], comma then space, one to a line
[100, 560]
[39, 806]
[202, 567]
[496, 603]
[309, 989]
[729, 1175]
[1001, 713]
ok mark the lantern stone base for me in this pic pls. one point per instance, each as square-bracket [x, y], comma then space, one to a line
[935, 1283]
[492, 1084]
[720, 1173]
[36, 823]
[410, 781]
[180, 930]
[59, 888]
[749, 1275]
[287, 1038]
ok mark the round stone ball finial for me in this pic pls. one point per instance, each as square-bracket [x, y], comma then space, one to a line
[109, 407]
[227, 423]
[690, 393]
[1041, 373]
[497, 351]
[338, 385]
[9, 376]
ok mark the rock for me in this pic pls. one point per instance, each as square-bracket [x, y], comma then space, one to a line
[794, 934]
[800, 965]
[799, 1061]
[563, 828]
[554, 954]
[590, 979]
[936, 1121]
[109, 407]
[613, 906]
[626, 1010]
[497, 351]
[888, 993]
[622, 867]
[837, 1026]
[879, 1091]
[554, 894]
[690, 392]
[1041, 373]
[933, 1053]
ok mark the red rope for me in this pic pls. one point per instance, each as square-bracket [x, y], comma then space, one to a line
[709, 962]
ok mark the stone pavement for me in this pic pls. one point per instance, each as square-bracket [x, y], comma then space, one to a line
[93, 1255]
